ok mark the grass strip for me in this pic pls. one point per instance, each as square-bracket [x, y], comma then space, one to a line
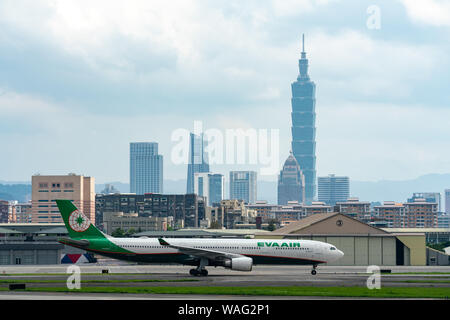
[425, 281]
[64, 273]
[390, 292]
[405, 273]
[96, 281]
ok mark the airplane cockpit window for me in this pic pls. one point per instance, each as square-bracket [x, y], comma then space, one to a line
[332, 248]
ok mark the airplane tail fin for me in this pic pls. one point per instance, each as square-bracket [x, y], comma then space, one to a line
[77, 224]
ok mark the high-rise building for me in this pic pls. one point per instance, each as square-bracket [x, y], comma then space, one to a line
[243, 186]
[24, 212]
[356, 209]
[146, 168]
[231, 213]
[333, 189]
[433, 197]
[4, 210]
[303, 126]
[421, 214]
[184, 210]
[291, 182]
[417, 214]
[210, 186]
[46, 189]
[198, 159]
[447, 201]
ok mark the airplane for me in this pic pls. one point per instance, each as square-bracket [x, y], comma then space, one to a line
[234, 254]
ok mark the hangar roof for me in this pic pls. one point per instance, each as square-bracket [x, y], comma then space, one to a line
[328, 223]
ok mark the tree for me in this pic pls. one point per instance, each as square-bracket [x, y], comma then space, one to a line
[130, 232]
[271, 226]
[439, 246]
[215, 225]
[118, 233]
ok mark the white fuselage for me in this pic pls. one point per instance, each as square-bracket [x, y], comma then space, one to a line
[262, 251]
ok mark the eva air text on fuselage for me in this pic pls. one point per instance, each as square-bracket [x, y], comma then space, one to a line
[276, 244]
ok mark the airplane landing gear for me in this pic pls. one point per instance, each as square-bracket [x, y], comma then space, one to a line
[313, 271]
[196, 272]
[200, 271]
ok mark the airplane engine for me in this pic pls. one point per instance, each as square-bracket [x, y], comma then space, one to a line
[240, 264]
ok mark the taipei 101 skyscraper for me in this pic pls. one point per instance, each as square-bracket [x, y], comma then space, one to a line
[303, 126]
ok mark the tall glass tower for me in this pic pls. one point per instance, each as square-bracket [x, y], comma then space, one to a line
[303, 126]
[198, 160]
[146, 168]
[243, 186]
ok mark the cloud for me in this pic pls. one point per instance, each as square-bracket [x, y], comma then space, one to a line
[354, 64]
[373, 141]
[83, 79]
[432, 12]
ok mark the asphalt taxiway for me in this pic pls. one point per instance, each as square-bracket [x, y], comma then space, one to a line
[125, 275]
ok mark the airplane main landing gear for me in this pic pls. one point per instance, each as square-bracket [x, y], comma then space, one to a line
[200, 271]
[195, 272]
[313, 271]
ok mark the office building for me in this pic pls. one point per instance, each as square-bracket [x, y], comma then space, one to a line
[146, 168]
[198, 159]
[4, 211]
[24, 213]
[210, 186]
[421, 214]
[46, 189]
[303, 126]
[333, 189]
[447, 201]
[264, 210]
[291, 182]
[183, 210]
[231, 213]
[356, 209]
[432, 197]
[243, 186]
[131, 221]
[444, 221]
[417, 214]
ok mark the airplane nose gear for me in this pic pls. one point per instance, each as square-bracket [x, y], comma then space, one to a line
[313, 271]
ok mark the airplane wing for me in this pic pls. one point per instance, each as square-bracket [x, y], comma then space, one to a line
[201, 253]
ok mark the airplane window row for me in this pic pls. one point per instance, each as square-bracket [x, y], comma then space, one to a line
[296, 248]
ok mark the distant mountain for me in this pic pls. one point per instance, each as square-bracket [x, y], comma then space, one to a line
[19, 192]
[391, 190]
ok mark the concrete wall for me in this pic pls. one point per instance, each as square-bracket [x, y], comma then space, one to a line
[417, 251]
[437, 258]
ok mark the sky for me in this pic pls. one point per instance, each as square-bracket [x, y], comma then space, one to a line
[80, 80]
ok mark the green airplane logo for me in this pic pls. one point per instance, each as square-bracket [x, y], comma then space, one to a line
[276, 244]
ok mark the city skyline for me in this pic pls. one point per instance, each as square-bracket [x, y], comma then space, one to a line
[369, 95]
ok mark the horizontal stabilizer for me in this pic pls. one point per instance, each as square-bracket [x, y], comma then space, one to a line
[79, 243]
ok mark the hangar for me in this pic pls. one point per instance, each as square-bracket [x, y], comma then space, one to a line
[361, 243]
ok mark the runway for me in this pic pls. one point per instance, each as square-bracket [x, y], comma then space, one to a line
[125, 275]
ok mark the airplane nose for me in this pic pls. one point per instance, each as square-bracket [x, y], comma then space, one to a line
[341, 254]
